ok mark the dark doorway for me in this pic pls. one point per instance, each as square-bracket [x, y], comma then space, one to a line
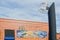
[9, 34]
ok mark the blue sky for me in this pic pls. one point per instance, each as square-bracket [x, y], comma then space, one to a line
[27, 10]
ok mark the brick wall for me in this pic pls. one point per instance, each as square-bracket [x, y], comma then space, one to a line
[29, 25]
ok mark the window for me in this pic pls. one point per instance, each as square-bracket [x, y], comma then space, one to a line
[9, 33]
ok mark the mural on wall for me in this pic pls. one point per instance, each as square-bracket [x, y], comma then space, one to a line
[21, 33]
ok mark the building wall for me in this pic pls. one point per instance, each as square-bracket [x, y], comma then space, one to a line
[29, 25]
[58, 36]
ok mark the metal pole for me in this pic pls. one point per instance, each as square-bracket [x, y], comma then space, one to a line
[52, 22]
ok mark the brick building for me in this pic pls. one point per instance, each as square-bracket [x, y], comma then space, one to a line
[13, 26]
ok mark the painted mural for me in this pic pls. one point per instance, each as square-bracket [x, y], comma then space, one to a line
[30, 34]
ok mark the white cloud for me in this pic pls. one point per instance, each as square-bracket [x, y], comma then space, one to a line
[30, 7]
[21, 14]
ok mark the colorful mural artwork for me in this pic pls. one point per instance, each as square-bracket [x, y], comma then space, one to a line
[31, 34]
[21, 33]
